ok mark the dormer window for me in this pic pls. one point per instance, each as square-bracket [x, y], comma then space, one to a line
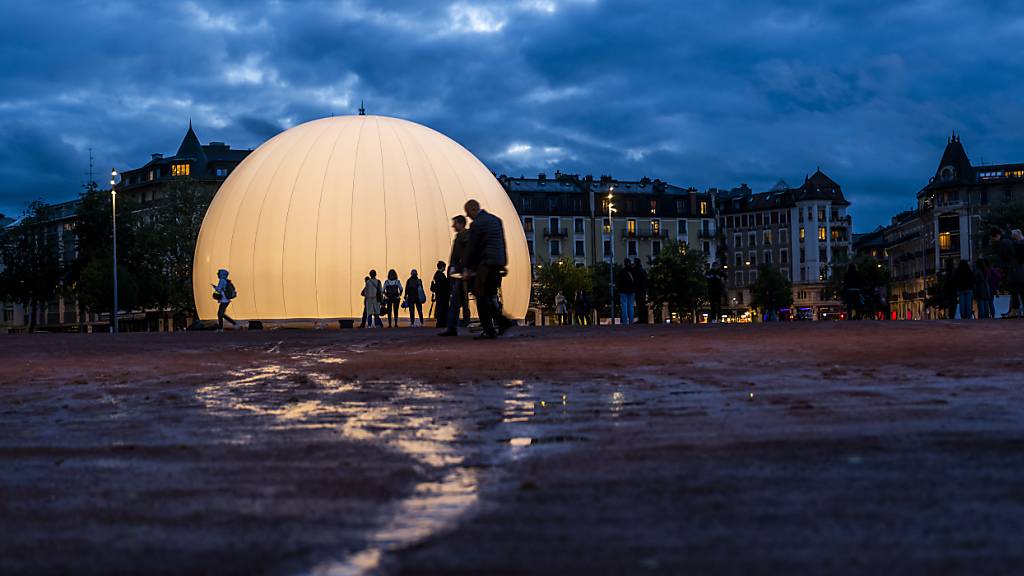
[180, 170]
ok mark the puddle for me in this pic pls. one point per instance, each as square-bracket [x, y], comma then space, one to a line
[459, 438]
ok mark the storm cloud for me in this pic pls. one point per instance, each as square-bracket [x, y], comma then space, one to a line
[702, 94]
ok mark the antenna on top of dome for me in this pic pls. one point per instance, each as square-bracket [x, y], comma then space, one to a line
[362, 109]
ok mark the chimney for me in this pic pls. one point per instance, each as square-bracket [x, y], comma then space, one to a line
[158, 156]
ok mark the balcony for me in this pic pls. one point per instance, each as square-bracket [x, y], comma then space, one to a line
[644, 234]
[556, 233]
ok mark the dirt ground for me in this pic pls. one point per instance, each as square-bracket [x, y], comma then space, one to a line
[845, 448]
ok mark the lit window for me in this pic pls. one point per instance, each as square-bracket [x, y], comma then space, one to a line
[821, 232]
[945, 241]
[631, 226]
[180, 170]
[607, 226]
[655, 227]
[703, 207]
[528, 225]
[801, 233]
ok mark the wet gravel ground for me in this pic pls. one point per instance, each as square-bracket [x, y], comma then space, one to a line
[825, 448]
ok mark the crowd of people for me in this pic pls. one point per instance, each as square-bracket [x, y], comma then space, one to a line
[479, 258]
[476, 266]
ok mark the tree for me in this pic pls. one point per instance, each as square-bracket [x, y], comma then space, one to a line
[95, 289]
[771, 291]
[172, 232]
[561, 275]
[676, 279]
[874, 283]
[31, 269]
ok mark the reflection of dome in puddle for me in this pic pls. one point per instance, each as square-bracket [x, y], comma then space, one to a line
[308, 214]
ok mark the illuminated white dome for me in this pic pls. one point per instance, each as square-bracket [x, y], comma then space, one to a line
[305, 217]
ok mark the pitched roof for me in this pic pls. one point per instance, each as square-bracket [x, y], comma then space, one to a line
[190, 146]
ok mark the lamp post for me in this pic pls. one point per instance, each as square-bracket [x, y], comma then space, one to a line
[611, 264]
[113, 213]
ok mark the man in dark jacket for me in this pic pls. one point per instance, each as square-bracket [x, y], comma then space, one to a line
[456, 274]
[640, 278]
[486, 259]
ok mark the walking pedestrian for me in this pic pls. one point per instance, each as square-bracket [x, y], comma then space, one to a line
[965, 289]
[714, 278]
[458, 302]
[625, 283]
[581, 308]
[441, 293]
[414, 297]
[392, 296]
[561, 309]
[224, 292]
[640, 280]
[485, 259]
[983, 289]
[373, 295]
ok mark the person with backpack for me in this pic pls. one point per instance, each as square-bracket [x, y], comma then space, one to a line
[414, 297]
[392, 295]
[373, 295]
[224, 292]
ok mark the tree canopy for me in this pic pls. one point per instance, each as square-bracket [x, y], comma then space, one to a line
[676, 279]
[771, 291]
[561, 275]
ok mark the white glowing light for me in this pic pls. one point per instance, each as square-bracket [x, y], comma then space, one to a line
[305, 217]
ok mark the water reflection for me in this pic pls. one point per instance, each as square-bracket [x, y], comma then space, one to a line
[451, 436]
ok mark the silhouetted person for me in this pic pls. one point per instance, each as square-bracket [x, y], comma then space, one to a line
[949, 289]
[714, 278]
[441, 291]
[224, 292]
[486, 258]
[392, 297]
[640, 278]
[853, 286]
[625, 283]
[414, 297]
[362, 321]
[965, 289]
[459, 301]
[983, 289]
[561, 309]
[581, 308]
[1011, 254]
[373, 295]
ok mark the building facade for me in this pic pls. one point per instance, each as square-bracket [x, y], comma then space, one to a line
[206, 165]
[946, 225]
[567, 217]
[800, 230]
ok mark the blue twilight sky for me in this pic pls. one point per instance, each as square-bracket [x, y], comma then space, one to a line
[710, 93]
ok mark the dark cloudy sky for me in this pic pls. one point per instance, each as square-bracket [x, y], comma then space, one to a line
[710, 93]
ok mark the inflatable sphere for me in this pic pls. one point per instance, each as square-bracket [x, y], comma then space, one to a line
[305, 217]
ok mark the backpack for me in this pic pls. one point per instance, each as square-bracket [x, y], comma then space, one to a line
[392, 290]
[230, 292]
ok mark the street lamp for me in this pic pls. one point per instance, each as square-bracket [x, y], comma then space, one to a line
[113, 213]
[611, 243]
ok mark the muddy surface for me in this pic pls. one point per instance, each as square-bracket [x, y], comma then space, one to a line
[826, 448]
